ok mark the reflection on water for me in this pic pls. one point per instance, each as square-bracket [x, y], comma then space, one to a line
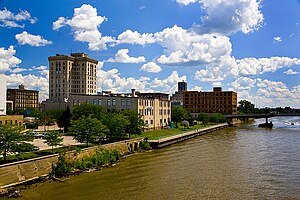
[246, 162]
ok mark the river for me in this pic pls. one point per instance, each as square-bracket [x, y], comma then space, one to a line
[244, 162]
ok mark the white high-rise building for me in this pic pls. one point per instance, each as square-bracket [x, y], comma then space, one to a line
[2, 94]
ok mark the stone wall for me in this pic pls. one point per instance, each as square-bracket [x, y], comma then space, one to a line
[19, 172]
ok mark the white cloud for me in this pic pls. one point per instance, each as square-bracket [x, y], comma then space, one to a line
[85, 23]
[134, 37]
[151, 67]
[18, 70]
[11, 20]
[32, 40]
[217, 84]
[196, 88]
[7, 59]
[112, 80]
[290, 72]
[266, 93]
[142, 7]
[243, 83]
[123, 57]
[277, 39]
[228, 16]
[253, 66]
[186, 2]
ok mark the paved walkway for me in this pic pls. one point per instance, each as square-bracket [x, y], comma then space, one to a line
[68, 140]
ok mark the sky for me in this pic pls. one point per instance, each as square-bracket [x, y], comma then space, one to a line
[248, 46]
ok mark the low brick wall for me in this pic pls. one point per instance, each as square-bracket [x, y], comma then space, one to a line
[22, 171]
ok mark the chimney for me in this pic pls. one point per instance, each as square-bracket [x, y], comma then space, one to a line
[133, 92]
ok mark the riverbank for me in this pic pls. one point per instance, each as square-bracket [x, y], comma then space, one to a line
[21, 172]
[166, 141]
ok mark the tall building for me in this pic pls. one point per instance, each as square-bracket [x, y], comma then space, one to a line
[182, 86]
[2, 94]
[177, 98]
[217, 101]
[23, 99]
[74, 74]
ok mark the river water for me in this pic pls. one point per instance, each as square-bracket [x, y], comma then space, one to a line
[244, 162]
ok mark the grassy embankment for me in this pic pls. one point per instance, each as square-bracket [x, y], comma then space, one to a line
[158, 134]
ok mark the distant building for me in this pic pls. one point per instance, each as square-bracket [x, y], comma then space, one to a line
[23, 99]
[74, 74]
[182, 86]
[2, 94]
[217, 101]
[177, 98]
[155, 108]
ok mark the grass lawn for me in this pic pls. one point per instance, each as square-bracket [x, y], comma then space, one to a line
[158, 134]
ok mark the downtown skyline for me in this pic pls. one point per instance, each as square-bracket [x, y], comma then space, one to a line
[248, 46]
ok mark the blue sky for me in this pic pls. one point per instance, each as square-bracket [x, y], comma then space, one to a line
[248, 46]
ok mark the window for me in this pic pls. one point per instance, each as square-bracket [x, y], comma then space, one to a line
[128, 102]
[122, 102]
[95, 102]
[113, 102]
[108, 102]
[99, 102]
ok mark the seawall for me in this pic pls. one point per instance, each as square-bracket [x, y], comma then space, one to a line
[12, 174]
[184, 136]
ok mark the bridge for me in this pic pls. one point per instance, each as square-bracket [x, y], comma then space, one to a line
[259, 116]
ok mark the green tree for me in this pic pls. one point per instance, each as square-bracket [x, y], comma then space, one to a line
[11, 137]
[217, 118]
[203, 117]
[85, 109]
[178, 114]
[64, 120]
[245, 107]
[86, 129]
[116, 123]
[52, 139]
[136, 123]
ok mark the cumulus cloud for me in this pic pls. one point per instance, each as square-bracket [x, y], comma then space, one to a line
[290, 72]
[11, 20]
[253, 66]
[32, 40]
[243, 83]
[123, 57]
[85, 23]
[228, 16]
[18, 70]
[134, 37]
[112, 80]
[277, 39]
[266, 93]
[7, 59]
[186, 2]
[151, 67]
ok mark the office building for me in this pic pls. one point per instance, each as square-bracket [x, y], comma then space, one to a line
[217, 101]
[155, 108]
[177, 98]
[74, 74]
[22, 98]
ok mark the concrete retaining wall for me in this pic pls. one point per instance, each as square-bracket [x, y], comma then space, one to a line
[18, 172]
